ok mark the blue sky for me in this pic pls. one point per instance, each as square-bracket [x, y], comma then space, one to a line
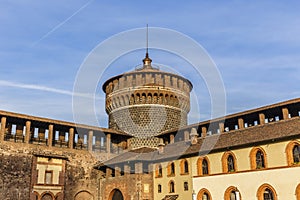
[256, 47]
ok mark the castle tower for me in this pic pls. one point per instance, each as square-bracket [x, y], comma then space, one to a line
[147, 101]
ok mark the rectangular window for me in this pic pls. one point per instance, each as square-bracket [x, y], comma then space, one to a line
[186, 186]
[159, 189]
[48, 177]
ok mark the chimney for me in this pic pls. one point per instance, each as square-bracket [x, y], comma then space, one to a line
[161, 147]
[194, 136]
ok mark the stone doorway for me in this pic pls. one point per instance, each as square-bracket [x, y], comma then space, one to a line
[116, 195]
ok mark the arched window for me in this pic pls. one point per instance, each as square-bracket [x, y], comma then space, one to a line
[203, 166]
[47, 196]
[229, 162]
[266, 192]
[158, 170]
[159, 188]
[296, 154]
[204, 194]
[184, 165]
[292, 153]
[171, 169]
[232, 193]
[171, 187]
[258, 158]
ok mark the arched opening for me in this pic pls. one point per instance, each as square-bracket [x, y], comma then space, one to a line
[84, 195]
[204, 194]
[266, 192]
[292, 153]
[116, 195]
[158, 170]
[232, 193]
[184, 165]
[203, 166]
[229, 162]
[47, 196]
[171, 169]
[258, 158]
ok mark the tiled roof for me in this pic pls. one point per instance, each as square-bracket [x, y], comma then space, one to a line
[256, 135]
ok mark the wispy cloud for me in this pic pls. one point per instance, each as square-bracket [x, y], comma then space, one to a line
[45, 89]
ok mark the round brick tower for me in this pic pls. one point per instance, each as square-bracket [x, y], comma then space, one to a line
[147, 101]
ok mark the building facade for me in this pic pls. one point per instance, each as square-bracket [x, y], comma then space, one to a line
[150, 152]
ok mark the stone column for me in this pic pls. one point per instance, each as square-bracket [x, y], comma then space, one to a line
[186, 136]
[241, 123]
[138, 168]
[221, 127]
[285, 113]
[90, 141]
[171, 138]
[117, 171]
[71, 138]
[50, 135]
[2, 131]
[108, 141]
[262, 118]
[203, 131]
[27, 132]
[126, 169]
[108, 172]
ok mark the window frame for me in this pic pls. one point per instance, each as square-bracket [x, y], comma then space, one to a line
[253, 158]
[229, 191]
[261, 190]
[202, 192]
[225, 163]
[200, 166]
[186, 186]
[159, 188]
[46, 178]
[158, 171]
[171, 169]
[171, 187]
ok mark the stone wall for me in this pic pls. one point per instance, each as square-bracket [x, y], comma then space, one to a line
[16, 165]
[147, 120]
